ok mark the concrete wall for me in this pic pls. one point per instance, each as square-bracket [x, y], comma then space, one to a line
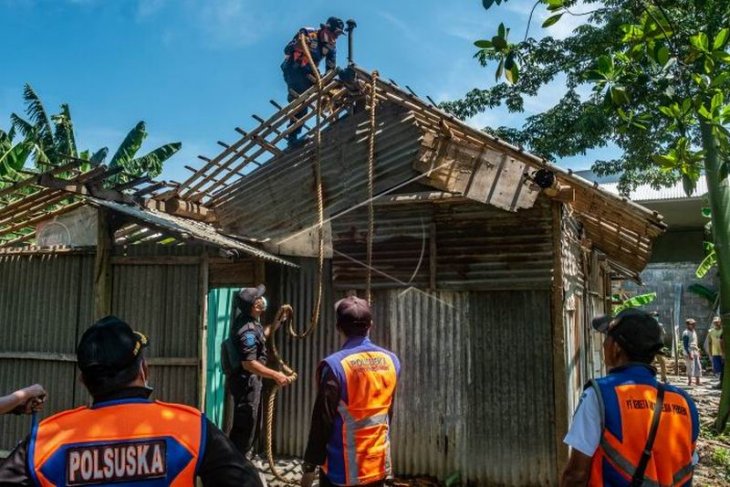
[674, 303]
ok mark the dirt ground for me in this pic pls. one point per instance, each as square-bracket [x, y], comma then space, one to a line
[714, 451]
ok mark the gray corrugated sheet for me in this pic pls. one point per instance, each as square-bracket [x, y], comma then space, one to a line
[477, 247]
[645, 192]
[44, 301]
[185, 227]
[475, 395]
[163, 301]
[280, 198]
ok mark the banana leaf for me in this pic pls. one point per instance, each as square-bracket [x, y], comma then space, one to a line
[129, 147]
[151, 163]
[707, 263]
[635, 302]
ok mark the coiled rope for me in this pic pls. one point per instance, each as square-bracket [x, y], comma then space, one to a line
[285, 313]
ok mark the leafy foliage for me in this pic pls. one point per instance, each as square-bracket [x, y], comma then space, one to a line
[634, 302]
[51, 141]
[652, 68]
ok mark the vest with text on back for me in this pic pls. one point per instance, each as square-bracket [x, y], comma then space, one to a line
[627, 397]
[358, 451]
[127, 442]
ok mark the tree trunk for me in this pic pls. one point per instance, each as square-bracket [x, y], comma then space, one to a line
[719, 195]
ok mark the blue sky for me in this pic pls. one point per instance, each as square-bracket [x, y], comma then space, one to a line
[195, 69]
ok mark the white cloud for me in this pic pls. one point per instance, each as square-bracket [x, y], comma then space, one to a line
[229, 23]
[404, 28]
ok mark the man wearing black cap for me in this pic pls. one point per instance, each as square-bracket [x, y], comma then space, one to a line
[124, 437]
[249, 338]
[297, 70]
[350, 433]
[629, 428]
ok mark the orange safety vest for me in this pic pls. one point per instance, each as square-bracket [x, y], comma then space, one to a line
[627, 397]
[128, 441]
[358, 451]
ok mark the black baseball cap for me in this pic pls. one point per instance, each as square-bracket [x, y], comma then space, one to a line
[108, 346]
[636, 331]
[353, 312]
[251, 294]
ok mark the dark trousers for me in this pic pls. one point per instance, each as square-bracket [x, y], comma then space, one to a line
[297, 80]
[246, 403]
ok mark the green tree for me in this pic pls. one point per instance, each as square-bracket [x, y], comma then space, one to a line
[52, 141]
[13, 157]
[658, 70]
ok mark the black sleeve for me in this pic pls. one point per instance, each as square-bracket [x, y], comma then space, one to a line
[331, 58]
[223, 465]
[246, 341]
[14, 469]
[323, 416]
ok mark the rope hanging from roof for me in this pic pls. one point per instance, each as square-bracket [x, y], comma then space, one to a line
[314, 320]
[371, 178]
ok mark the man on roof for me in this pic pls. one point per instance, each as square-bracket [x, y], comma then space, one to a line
[298, 71]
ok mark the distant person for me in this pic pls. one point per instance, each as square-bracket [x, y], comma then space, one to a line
[349, 438]
[611, 428]
[248, 337]
[23, 401]
[716, 349]
[322, 44]
[124, 437]
[691, 352]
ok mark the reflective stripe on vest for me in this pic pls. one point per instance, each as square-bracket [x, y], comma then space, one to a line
[627, 402]
[358, 451]
[135, 442]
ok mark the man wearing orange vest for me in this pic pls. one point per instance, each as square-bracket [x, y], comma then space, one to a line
[350, 432]
[629, 429]
[297, 70]
[124, 437]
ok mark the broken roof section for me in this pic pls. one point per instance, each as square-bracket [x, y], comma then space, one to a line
[43, 208]
[418, 147]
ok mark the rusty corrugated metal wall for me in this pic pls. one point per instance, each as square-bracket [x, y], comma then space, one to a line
[46, 301]
[475, 247]
[476, 391]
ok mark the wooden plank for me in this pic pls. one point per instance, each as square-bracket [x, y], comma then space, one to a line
[231, 274]
[560, 385]
[40, 218]
[203, 337]
[103, 264]
[161, 260]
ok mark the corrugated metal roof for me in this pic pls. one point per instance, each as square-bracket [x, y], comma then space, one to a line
[646, 193]
[190, 228]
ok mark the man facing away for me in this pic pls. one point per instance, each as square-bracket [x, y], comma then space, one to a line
[691, 352]
[322, 44]
[612, 424]
[350, 433]
[249, 338]
[124, 437]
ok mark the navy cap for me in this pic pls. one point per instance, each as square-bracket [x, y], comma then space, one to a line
[636, 331]
[109, 345]
[250, 294]
[353, 311]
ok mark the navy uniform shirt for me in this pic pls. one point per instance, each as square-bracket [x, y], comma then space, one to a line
[248, 337]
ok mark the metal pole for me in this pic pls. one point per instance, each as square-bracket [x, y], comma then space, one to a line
[351, 24]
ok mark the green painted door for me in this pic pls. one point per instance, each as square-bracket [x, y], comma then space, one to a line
[219, 319]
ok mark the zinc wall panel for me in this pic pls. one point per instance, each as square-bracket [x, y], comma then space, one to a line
[477, 247]
[476, 389]
[44, 298]
[163, 301]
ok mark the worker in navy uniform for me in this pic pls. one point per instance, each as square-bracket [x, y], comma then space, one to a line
[322, 44]
[249, 338]
[124, 437]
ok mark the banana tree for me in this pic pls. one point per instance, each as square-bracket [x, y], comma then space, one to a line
[52, 140]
